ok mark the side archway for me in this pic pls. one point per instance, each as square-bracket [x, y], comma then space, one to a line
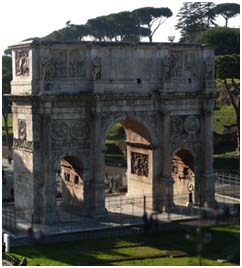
[70, 184]
[184, 175]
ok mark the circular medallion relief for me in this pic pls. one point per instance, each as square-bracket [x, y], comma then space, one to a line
[191, 124]
[176, 125]
[79, 130]
[59, 129]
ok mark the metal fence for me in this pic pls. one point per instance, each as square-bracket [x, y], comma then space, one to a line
[120, 211]
[227, 186]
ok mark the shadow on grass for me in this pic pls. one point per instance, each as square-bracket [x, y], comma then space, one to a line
[224, 244]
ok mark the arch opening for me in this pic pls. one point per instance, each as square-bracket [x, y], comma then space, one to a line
[128, 160]
[183, 174]
[69, 184]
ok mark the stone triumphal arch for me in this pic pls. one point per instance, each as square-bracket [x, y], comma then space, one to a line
[67, 96]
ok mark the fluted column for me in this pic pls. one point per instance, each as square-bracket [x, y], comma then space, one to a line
[97, 186]
[207, 178]
[166, 180]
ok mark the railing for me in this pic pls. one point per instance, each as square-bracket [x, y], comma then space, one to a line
[227, 185]
[121, 211]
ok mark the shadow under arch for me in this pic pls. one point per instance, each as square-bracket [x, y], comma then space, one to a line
[70, 177]
[184, 175]
[134, 123]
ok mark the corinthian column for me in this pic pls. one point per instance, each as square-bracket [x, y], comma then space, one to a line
[207, 180]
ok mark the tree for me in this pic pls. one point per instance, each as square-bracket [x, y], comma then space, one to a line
[195, 18]
[6, 110]
[227, 11]
[122, 26]
[6, 73]
[228, 67]
[6, 103]
[70, 32]
[208, 13]
[189, 22]
[225, 41]
[152, 18]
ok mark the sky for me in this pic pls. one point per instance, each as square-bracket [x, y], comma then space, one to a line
[21, 19]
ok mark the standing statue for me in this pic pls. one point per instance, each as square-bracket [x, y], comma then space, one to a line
[22, 64]
[96, 69]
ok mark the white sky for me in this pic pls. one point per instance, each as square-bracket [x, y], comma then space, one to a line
[21, 19]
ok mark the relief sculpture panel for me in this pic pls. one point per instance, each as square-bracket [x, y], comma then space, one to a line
[22, 63]
[185, 126]
[22, 131]
[59, 129]
[59, 63]
[76, 64]
[191, 124]
[139, 164]
[79, 129]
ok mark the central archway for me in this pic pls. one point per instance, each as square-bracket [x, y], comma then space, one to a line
[137, 149]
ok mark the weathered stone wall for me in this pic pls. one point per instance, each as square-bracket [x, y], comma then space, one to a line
[55, 68]
[68, 96]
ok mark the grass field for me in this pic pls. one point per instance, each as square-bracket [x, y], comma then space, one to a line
[132, 250]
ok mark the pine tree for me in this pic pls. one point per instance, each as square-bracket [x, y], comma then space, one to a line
[194, 18]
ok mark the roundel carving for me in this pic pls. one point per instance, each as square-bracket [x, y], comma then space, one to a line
[176, 125]
[79, 129]
[191, 124]
[59, 129]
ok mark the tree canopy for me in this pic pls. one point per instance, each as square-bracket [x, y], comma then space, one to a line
[70, 32]
[228, 66]
[223, 40]
[122, 26]
[148, 16]
[227, 11]
[194, 18]
[6, 73]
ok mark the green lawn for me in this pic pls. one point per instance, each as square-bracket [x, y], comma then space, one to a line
[224, 116]
[119, 251]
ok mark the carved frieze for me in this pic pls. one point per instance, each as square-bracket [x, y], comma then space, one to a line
[22, 144]
[175, 62]
[181, 63]
[59, 63]
[59, 129]
[76, 64]
[139, 164]
[79, 129]
[22, 129]
[191, 124]
[22, 63]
